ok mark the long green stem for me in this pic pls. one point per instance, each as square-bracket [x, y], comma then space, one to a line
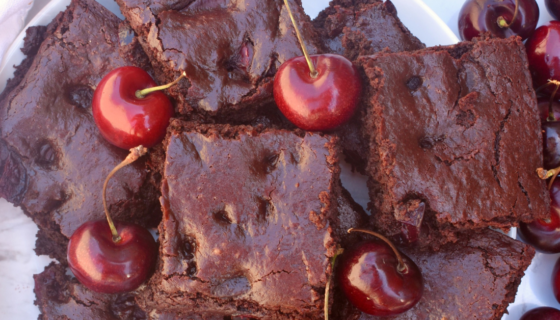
[140, 94]
[134, 154]
[312, 69]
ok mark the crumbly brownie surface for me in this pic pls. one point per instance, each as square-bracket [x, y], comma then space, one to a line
[230, 50]
[475, 278]
[60, 296]
[53, 160]
[362, 27]
[250, 220]
[454, 139]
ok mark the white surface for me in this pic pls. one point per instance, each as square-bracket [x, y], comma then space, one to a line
[12, 21]
[18, 262]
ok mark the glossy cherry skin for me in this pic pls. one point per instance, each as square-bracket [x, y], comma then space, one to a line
[478, 16]
[544, 235]
[553, 7]
[551, 144]
[104, 266]
[543, 53]
[367, 274]
[542, 313]
[320, 103]
[125, 120]
[544, 104]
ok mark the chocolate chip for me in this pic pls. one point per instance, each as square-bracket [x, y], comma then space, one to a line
[426, 143]
[46, 155]
[13, 176]
[414, 83]
[79, 96]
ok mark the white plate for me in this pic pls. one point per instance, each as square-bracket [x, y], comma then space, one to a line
[18, 262]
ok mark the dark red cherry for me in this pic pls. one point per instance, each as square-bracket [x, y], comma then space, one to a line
[542, 313]
[103, 265]
[125, 119]
[495, 16]
[551, 144]
[553, 7]
[543, 53]
[371, 279]
[544, 103]
[317, 103]
[556, 280]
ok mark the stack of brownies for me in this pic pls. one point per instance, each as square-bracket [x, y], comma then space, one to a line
[249, 209]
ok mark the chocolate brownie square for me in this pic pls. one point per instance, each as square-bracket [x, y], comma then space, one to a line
[475, 278]
[230, 51]
[251, 218]
[362, 27]
[53, 160]
[60, 296]
[454, 139]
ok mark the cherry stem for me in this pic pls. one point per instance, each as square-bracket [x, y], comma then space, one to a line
[141, 94]
[327, 288]
[401, 267]
[134, 154]
[503, 23]
[313, 71]
[545, 174]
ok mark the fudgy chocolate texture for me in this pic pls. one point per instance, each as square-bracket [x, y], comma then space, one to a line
[230, 50]
[475, 278]
[250, 221]
[61, 297]
[53, 161]
[363, 28]
[454, 139]
[355, 28]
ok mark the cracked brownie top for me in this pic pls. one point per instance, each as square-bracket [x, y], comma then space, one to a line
[254, 241]
[53, 159]
[230, 50]
[454, 137]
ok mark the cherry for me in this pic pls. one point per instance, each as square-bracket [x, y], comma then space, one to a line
[111, 258]
[551, 144]
[129, 109]
[543, 53]
[544, 105]
[318, 92]
[103, 265]
[556, 280]
[502, 18]
[553, 7]
[377, 279]
[542, 313]
[543, 235]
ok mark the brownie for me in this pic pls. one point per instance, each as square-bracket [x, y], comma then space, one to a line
[454, 139]
[53, 160]
[230, 51]
[251, 218]
[362, 27]
[475, 278]
[60, 296]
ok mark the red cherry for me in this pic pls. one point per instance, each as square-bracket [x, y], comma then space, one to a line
[124, 119]
[542, 313]
[544, 235]
[544, 104]
[543, 53]
[556, 280]
[317, 103]
[495, 16]
[103, 265]
[553, 7]
[371, 279]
